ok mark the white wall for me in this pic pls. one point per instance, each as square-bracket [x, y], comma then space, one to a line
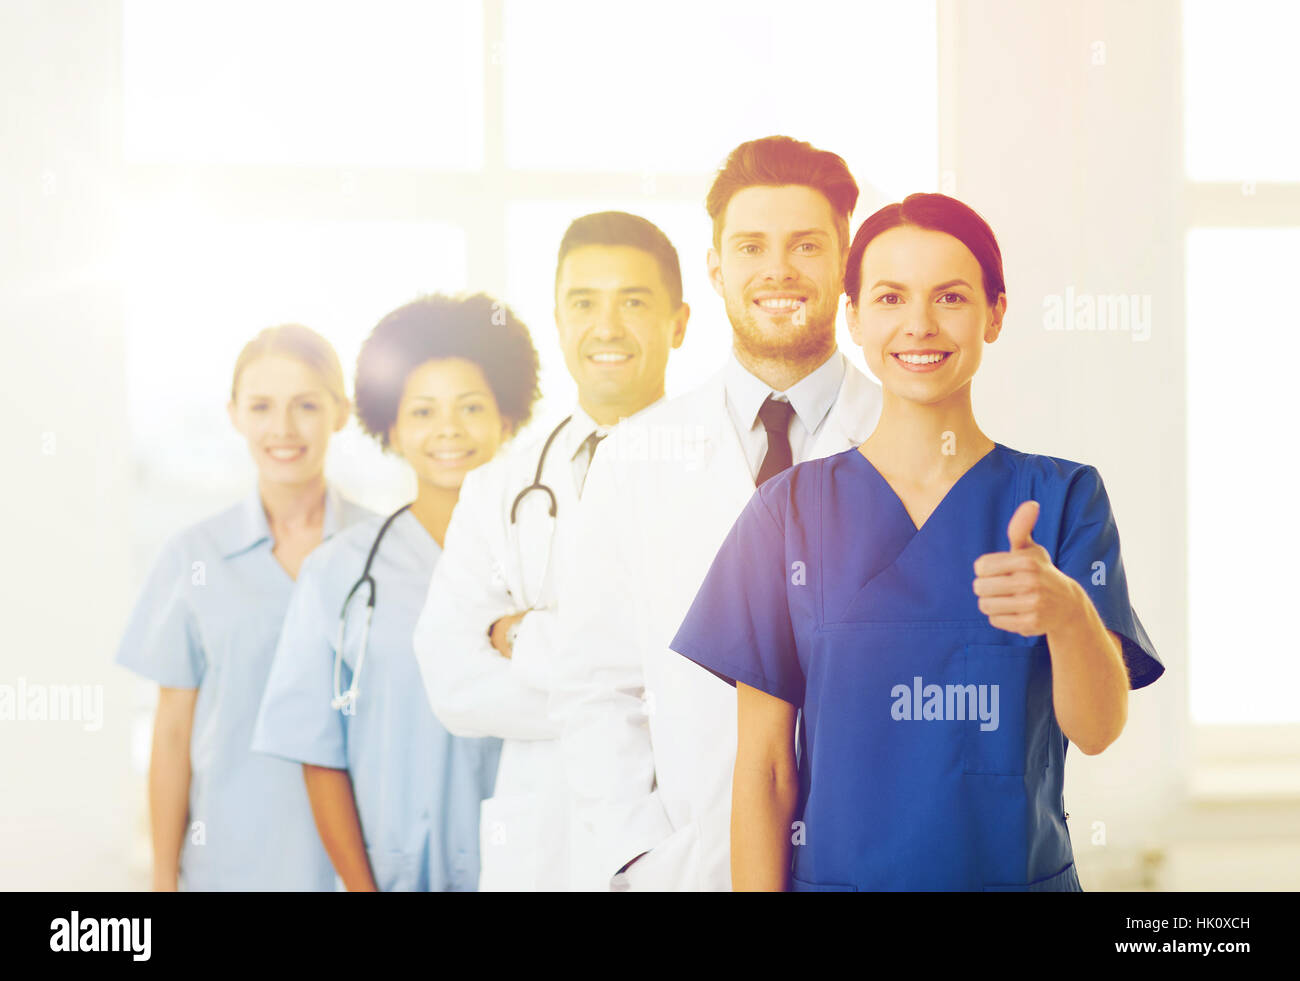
[66, 802]
[1065, 133]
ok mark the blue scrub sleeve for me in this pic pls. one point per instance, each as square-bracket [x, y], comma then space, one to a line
[296, 721]
[1089, 554]
[161, 641]
[739, 625]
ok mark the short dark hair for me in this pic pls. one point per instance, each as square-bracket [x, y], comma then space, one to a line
[621, 228]
[476, 328]
[777, 161]
[939, 213]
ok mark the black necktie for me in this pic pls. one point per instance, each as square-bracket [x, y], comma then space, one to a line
[776, 420]
[589, 445]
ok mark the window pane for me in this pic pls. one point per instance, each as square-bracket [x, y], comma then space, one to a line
[1242, 347]
[1240, 85]
[672, 88]
[198, 287]
[299, 82]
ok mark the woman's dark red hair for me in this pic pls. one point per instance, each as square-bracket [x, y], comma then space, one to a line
[939, 213]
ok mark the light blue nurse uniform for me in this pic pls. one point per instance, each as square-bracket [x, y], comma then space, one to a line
[417, 787]
[209, 617]
[930, 754]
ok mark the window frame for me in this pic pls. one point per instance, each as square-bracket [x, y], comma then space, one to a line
[1237, 762]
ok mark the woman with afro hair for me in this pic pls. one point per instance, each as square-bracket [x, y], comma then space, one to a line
[442, 382]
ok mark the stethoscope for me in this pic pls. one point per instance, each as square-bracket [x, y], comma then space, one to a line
[346, 701]
[537, 484]
[552, 509]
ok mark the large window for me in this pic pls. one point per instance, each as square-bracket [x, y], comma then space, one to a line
[1242, 155]
[324, 163]
[299, 83]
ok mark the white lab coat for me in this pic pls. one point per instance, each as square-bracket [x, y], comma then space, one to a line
[649, 737]
[489, 569]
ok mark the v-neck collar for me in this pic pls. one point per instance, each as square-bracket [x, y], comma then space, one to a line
[898, 501]
[420, 537]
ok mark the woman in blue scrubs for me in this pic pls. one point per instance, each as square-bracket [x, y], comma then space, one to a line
[441, 382]
[948, 613]
[206, 625]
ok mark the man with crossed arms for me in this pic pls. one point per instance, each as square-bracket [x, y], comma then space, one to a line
[485, 641]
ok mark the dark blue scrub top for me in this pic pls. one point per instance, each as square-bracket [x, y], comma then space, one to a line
[930, 753]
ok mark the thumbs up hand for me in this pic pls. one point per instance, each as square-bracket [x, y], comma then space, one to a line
[1020, 590]
[1021, 526]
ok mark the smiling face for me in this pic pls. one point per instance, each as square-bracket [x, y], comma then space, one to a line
[779, 266]
[922, 318]
[447, 422]
[617, 324]
[285, 412]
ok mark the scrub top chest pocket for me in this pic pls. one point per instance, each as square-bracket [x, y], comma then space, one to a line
[991, 701]
[927, 746]
[1010, 687]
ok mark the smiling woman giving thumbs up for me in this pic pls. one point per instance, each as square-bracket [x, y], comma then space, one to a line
[937, 706]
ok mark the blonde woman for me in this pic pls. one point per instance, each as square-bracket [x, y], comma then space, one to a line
[206, 625]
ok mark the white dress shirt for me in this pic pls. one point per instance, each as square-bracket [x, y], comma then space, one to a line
[582, 426]
[811, 396]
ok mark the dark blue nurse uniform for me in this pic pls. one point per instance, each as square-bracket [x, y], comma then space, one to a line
[930, 755]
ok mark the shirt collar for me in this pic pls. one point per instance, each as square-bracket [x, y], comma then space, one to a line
[580, 426]
[249, 528]
[576, 432]
[811, 396]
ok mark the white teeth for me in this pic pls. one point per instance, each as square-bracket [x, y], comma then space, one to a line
[782, 303]
[610, 356]
[920, 358]
[284, 454]
[451, 455]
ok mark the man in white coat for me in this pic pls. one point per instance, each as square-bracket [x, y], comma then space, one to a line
[485, 640]
[649, 737]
